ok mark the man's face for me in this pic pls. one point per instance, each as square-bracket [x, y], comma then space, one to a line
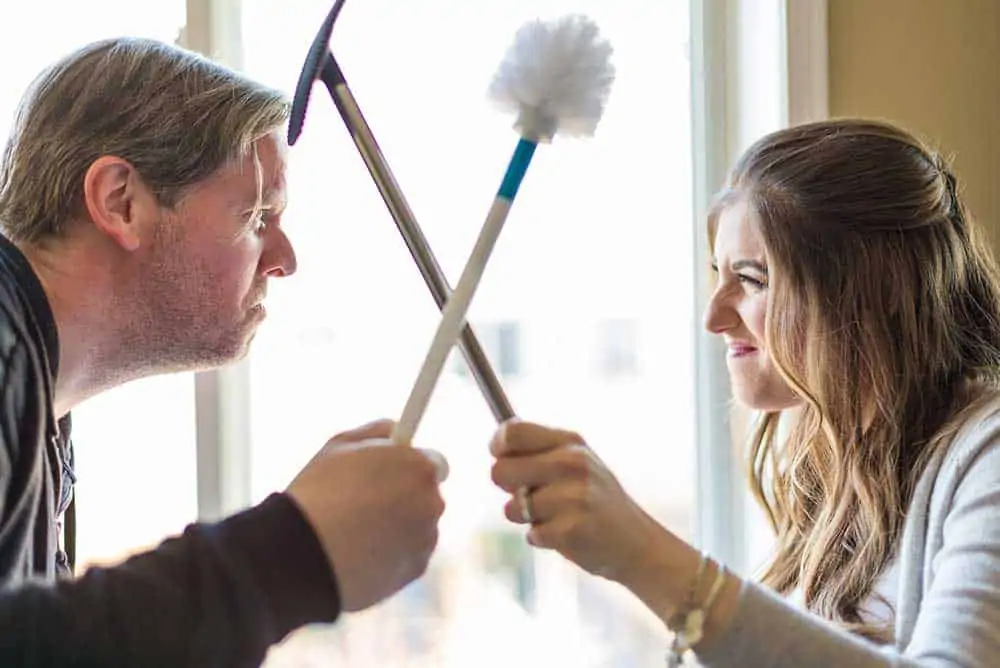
[210, 260]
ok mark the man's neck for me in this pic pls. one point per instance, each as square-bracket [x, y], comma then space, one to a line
[79, 292]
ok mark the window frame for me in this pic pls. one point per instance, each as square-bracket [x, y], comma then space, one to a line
[750, 75]
[222, 396]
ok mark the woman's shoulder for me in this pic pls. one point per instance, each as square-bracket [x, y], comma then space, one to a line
[969, 443]
[951, 543]
[976, 417]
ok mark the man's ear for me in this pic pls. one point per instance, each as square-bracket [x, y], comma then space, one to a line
[116, 200]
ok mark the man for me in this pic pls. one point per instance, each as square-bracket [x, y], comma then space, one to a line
[141, 196]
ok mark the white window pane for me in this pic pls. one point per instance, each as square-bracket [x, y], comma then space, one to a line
[501, 342]
[135, 446]
[135, 465]
[69, 24]
[601, 230]
[617, 347]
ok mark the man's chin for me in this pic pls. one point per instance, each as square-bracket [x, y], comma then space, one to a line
[241, 351]
[224, 356]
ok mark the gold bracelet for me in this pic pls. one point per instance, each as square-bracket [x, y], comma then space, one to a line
[689, 625]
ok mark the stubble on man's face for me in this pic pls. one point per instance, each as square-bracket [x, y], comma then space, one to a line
[189, 313]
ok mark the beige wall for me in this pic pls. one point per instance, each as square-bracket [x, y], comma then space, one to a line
[932, 66]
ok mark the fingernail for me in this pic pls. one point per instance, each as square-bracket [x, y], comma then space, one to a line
[496, 443]
[499, 443]
[502, 434]
[439, 461]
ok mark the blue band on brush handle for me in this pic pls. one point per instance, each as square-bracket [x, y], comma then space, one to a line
[516, 169]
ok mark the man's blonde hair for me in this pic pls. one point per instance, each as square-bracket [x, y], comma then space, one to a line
[174, 115]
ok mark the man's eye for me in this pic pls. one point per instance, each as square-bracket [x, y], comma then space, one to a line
[259, 220]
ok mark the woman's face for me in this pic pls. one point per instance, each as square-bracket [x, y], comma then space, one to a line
[737, 312]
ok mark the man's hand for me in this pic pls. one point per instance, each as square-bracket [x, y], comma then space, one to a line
[375, 507]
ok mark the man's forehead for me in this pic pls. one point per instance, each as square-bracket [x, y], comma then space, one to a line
[272, 144]
[263, 167]
[273, 155]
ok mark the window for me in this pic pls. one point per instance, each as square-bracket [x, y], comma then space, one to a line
[507, 558]
[135, 466]
[617, 353]
[600, 226]
[502, 344]
[508, 358]
[135, 446]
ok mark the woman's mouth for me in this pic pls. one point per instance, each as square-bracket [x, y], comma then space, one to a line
[741, 350]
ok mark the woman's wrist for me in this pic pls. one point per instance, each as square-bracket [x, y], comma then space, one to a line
[669, 577]
[662, 572]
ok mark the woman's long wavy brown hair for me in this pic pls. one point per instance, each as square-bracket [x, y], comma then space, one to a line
[883, 304]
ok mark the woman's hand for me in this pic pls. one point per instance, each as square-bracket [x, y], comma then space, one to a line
[576, 507]
[573, 502]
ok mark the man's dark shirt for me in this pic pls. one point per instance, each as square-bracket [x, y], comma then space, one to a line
[218, 595]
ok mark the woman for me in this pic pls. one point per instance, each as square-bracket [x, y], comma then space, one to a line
[860, 308]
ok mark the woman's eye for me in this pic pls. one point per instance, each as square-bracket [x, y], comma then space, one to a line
[755, 283]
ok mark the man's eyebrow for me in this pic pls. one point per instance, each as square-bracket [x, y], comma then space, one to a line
[273, 197]
[270, 198]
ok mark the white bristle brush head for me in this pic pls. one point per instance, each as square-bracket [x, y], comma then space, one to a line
[556, 76]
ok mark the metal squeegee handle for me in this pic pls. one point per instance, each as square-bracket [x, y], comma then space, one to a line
[416, 242]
